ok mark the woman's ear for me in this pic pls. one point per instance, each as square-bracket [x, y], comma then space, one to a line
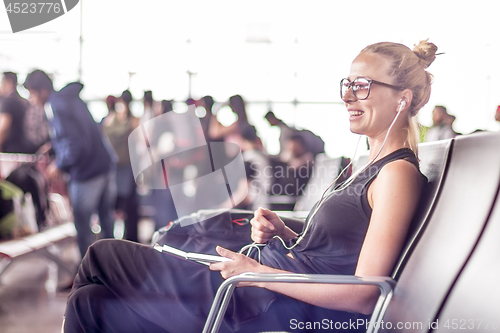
[405, 99]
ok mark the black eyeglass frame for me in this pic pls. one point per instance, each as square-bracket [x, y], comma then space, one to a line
[370, 81]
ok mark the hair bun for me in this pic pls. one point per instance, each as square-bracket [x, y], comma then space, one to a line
[426, 52]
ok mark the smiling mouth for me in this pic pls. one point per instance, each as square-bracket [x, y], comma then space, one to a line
[355, 113]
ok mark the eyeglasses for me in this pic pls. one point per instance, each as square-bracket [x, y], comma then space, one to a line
[361, 87]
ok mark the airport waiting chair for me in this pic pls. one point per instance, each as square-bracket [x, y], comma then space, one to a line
[435, 251]
[325, 171]
[474, 301]
[434, 158]
[359, 163]
[465, 202]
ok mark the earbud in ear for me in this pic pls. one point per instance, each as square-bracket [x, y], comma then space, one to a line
[402, 105]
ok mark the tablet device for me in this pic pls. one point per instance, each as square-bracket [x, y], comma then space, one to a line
[204, 259]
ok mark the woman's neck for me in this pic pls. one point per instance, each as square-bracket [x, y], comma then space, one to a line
[394, 142]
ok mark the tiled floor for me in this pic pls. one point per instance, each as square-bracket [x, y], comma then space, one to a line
[29, 303]
[25, 304]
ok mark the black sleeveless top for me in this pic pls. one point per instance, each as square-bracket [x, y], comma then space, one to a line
[337, 231]
[331, 246]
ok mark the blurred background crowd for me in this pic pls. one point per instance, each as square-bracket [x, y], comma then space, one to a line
[50, 124]
[260, 74]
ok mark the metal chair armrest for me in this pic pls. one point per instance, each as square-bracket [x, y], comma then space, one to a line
[226, 289]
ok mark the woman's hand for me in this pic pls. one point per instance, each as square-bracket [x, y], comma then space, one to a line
[265, 225]
[239, 264]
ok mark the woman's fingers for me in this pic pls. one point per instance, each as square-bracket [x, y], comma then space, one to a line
[261, 238]
[225, 252]
[267, 213]
[260, 217]
[272, 217]
[219, 266]
[262, 224]
[261, 234]
[239, 263]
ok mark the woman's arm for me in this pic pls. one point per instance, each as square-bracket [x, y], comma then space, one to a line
[394, 196]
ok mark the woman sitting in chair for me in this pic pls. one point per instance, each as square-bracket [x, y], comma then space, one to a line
[357, 229]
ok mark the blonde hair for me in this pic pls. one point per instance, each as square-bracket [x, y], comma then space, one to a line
[408, 68]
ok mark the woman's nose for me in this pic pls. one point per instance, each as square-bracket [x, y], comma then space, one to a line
[349, 96]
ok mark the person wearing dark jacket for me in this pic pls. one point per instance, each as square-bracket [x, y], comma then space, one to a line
[81, 152]
[12, 115]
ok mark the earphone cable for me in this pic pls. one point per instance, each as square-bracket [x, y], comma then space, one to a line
[323, 198]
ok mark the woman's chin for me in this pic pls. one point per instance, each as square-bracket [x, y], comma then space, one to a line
[355, 130]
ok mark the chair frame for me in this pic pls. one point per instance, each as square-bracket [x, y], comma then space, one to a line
[226, 289]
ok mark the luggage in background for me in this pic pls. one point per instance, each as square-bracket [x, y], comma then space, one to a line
[30, 180]
[17, 212]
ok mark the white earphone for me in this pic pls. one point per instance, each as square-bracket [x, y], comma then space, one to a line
[402, 105]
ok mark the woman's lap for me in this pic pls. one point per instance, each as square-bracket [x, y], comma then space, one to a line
[167, 291]
[94, 306]
[133, 287]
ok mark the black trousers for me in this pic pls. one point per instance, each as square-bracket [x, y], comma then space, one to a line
[130, 206]
[123, 286]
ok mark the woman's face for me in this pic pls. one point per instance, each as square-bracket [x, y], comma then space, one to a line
[374, 115]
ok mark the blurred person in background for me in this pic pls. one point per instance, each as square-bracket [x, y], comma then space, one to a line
[23, 129]
[286, 132]
[36, 129]
[148, 103]
[117, 126]
[258, 162]
[231, 133]
[206, 102]
[111, 105]
[12, 115]
[313, 143]
[81, 152]
[124, 106]
[8, 85]
[296, 153]
[166, 106]
[441, 128]
[298, 159]
[164, 208]
[449, 120]
[497, 114]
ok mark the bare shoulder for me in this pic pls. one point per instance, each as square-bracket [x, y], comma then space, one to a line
[398, 179]
[400, 171]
